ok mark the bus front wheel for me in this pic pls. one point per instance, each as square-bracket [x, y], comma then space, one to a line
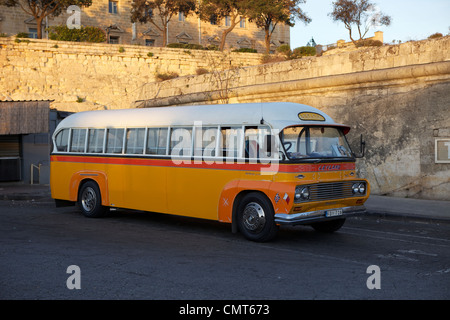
[90, 200]
[255, 217]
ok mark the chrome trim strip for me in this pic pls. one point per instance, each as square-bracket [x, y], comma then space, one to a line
[315, 216]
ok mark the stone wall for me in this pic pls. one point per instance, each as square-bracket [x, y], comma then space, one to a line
[397, 96]
[95, 76]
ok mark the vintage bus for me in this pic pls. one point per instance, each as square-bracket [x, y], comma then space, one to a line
[255, 166]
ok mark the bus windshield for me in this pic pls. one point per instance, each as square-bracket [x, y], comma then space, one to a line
[315, 142]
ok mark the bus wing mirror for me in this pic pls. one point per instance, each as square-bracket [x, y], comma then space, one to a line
[362, 148]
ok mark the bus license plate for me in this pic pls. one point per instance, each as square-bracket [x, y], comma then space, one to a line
[333, 213]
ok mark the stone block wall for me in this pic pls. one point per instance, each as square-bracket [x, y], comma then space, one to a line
[83, 76]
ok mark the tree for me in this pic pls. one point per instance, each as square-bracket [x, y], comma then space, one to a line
[360, 13]
[40, 9]
[219, 9]
[143, 11]
[268, 13]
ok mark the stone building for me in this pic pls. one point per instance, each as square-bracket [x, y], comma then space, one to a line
[113, 16]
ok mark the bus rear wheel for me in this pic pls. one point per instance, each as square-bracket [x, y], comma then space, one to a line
[255, 218]
[90, 200]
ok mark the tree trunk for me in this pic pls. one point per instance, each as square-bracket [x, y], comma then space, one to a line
[224, 36]
[165, 35]
[39, 26]
[267, 39]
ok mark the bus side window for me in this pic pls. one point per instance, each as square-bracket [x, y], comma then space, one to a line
[62, 140]
[181, 141]
[135, 141]
[95, 140]
[256, 142]
[78, 140]
[205, 142]
[115, 141]
[229, 141]
[156, 141]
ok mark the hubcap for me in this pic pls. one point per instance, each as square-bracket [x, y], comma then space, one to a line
[254, 217]
[88, 199]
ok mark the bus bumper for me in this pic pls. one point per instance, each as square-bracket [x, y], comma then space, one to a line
[318, 216]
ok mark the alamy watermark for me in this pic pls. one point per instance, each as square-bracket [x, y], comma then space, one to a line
[224, 145]
[74, 21]
[74, 280]
[374, 280]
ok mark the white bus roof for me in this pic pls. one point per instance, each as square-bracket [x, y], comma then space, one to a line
[276, 114]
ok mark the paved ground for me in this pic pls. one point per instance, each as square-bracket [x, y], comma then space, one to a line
[135, 255]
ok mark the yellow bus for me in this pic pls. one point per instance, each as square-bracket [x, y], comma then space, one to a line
[255, 166]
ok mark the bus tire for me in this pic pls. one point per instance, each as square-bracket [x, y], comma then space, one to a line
[328, 226]
[90, 200]
[255, 218]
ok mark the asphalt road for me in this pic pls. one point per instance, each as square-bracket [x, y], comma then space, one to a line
[135, 255]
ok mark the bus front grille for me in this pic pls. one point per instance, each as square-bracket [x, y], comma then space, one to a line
[331, 191]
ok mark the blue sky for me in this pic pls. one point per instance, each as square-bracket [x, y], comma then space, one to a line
[411, 20]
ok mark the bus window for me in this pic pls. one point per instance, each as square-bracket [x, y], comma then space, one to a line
[95, 140]
[230, 141]
[181, 141]
[156, 141]
[115, 141]
[62, 140]
[205, 142]
[78, 140]
[135, 141]
[256, 142]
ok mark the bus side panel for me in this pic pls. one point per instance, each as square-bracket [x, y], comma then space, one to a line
[61, 173]
[59, 180]
[139, 187]
[196, 192]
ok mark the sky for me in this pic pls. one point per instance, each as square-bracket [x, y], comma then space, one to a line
[411, 20]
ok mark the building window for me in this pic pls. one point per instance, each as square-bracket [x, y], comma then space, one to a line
[213, 19]
[150, 42]
[227, 21]
[113, 7]
[114, 39]
[181, 16]
[32, 33]
[242, 22]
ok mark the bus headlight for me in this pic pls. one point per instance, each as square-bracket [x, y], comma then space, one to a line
[302, 194]
[362, 188]
[359, 188]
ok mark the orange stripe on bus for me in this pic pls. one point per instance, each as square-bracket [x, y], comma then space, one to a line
[287, 168]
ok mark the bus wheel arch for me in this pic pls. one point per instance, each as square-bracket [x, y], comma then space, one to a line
[253, 216]
[90, 199]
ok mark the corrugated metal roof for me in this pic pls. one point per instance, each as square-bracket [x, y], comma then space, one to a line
[24, 117]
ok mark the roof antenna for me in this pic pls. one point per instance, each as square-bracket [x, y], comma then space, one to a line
[262, 115]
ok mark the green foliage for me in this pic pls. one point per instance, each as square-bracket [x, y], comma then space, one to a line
[249, 50]
[84, 34]
[284, 49]
[303, 52]
[22, 35]
[121, 49]
[166, 76]
[369, 43]
[436, 35]
[192, 46]
[150, 54]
